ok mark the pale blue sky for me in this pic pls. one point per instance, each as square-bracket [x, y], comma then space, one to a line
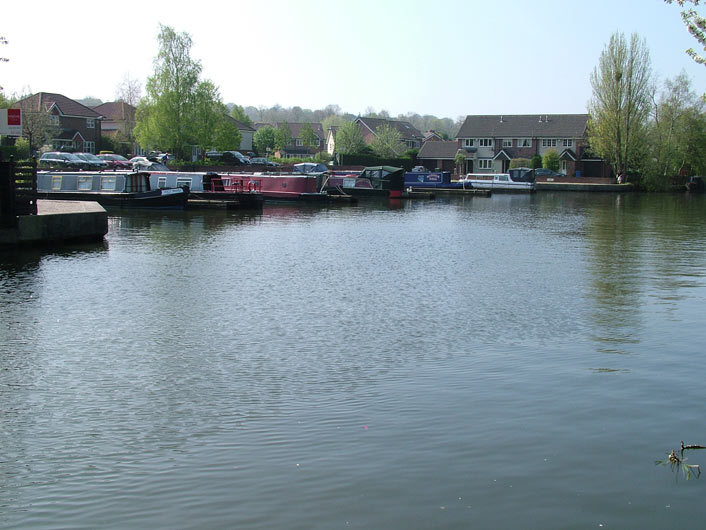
[441, 57]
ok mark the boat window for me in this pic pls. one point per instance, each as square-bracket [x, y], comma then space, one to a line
[503, 178]
[56, 182]
[183, 181]
[85, 183]
[162, 182]
[108, 183]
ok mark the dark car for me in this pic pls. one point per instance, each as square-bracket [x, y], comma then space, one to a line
[263, 161]
[93, 160]
[244, 160]
[544, 172]
[229, 158]
[57, 160]
[115, 161]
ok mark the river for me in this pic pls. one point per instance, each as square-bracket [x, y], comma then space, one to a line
[518, 361]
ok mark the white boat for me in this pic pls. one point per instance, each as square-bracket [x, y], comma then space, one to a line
[513, 181]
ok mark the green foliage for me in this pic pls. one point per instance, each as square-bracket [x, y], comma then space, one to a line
[322, 156]
[283, 136]
[5, 103]
[308, 136]
[387, 142]
[411, 153]
[535, 162]
[180, 110]
[238, 113]
[108, 144]
[349, 139]
[551, 160]
[696, 24]
[333, 120]
[264, 139]
[22, 148]
[619, 108]
[521, 162]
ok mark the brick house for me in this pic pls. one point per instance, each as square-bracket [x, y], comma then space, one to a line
[439, 154]
[296, 148]
[410, 136]
[119, 123]
[490, 142]
[78, 127]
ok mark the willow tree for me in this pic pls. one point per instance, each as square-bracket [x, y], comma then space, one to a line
[620, 106]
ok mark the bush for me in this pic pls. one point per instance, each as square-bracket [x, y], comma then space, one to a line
[323, 157]
[520, 162]
[551, 160]
[536, 162]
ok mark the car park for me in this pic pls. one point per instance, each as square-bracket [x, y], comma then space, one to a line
[58, 160]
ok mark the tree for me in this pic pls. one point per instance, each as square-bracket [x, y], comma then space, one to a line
[211, 127]
[166, 114]
[129, 90]
[620, 105]
[238, 113]
[3, 40]
[696, 24]
[264, 139]
[460, 160]
[535, 162]
[349, 139]
[283, 136]
[387, 141]
[38, 129]
[551, 160]
[308, 136]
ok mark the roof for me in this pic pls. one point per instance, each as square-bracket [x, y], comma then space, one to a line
[116, 111]
[406, 129]
[44, 101]
[439, 150]
[524, 126]
[239, 124]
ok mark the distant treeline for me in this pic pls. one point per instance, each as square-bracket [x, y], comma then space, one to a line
[333, 115]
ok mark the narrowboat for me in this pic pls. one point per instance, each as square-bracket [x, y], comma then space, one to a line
[381, 181]
[209, 187]
[431, 180]
[109, 188]
[304, 183]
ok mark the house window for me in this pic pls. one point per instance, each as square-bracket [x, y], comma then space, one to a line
[299, 143]
[568, 142]
[485, 163]
[89, 147]
[410, 144]
[468, 142]
[524, 142]
[549, 142]
[485, 142]
[90, 123]
[507, 143]
[53, 120]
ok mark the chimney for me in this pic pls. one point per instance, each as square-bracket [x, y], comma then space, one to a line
[540, 119]
[501, 118]
[546, 119]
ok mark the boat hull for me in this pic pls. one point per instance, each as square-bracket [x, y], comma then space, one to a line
[166, 199]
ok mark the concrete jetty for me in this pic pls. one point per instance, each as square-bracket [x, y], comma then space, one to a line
[57, 221]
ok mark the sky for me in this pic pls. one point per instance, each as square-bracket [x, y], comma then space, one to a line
[448, 58]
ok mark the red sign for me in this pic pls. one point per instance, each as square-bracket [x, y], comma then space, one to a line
[14, 117]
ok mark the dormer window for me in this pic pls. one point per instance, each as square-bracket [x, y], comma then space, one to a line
[90, 123]
[54, 120]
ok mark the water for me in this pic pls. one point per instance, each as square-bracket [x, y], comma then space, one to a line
[503, 362]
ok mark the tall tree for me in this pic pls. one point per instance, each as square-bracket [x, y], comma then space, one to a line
[238, 113]
[166, 114]
[387, 142]
[696, 24]
[619, 108]
[128, 90]
[349, 139]
[211, 127]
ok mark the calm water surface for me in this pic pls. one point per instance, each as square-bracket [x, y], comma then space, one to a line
[504, 362]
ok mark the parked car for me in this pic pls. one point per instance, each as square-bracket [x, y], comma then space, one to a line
[115, 161]
[141, 163]
[243, 159]
[263, 161]
[230, 158]
[544, 172]
[93, 160]
[55, 159]
[214, 155]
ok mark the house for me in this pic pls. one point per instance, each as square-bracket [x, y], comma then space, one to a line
[119, 123]
[410, 136]
[246, 134]
[331, 139]
[78, 128]
[439, 154]
[490, 142]
[431, 136]
[296, 148]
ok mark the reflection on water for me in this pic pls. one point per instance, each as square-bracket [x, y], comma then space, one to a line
[420, 364]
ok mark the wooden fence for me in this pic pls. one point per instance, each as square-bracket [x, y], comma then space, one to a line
[18, 191]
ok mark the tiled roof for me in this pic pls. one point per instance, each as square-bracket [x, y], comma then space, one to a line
[406, 129]
[116, 111]
[524, 126]
[43, 101]
[439, 150]
[239, 124]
